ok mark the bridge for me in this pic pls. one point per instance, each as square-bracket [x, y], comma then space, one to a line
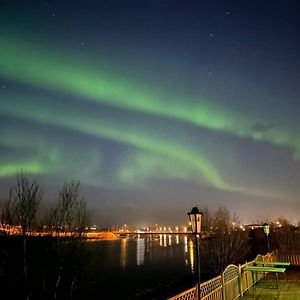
[150, 232]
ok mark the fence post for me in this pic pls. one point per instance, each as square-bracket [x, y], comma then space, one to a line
[223, 286]
[240, 280]
[275, 256]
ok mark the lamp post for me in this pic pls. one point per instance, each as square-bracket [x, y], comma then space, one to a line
[195, 218]
[266, 228]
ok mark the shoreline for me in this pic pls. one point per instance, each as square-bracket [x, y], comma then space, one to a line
[102, 235]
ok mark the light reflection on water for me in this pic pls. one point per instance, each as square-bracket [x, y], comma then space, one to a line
[186, 251]
[185, 244]
[146, 249]
[160, 240]
[140, 251]
[123, 253]
[139, 263]
[191, 255]
[170, 240]
[165, 240]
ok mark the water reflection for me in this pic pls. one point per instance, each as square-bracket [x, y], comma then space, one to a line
[161, 240]
[192, 257]
[186, 258]
[170, 240]
[123, 253]
[140, 251]
[185, 244]
[165, 240]
[136, 263]
[146, 245]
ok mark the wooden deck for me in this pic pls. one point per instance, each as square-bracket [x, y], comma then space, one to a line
[288, 290]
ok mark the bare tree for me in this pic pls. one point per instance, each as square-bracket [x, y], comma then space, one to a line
[8, 213]
[64, 213]
[27, 196]
[225, 242]
[82, 217]
[70, 215]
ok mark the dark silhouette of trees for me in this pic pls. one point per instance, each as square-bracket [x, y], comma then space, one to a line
[60, 259]
[70, 214]
[285, 235]
[69, 217]
[8, 213]
[224, 242]
[27, 196]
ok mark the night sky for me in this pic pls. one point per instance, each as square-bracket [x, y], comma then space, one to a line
[154, 105]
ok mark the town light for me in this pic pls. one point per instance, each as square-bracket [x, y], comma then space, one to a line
[195, 216]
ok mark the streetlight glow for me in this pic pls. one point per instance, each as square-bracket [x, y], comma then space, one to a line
[266, 228]
[195, 216]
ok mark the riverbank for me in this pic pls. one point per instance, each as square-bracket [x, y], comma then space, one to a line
[103, 235]
[99, 235]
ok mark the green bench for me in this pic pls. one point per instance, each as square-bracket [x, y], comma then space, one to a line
[265, 269]
[255, 269]
[273, 263]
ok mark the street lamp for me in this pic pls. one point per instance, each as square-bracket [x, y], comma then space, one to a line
[195, 218]
[266, 228]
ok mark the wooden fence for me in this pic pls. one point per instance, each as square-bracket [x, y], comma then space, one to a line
[292, 257]
[230, 285]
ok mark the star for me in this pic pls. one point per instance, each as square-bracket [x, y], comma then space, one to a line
[211, 34]
[83, 43]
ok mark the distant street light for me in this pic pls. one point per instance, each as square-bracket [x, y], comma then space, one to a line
[195, 219]
[266, 228]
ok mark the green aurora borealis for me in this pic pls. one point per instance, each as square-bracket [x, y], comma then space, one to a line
[26, 64]
[73, 113]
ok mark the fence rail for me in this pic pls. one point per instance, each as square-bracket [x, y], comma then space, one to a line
[186, 295]
[234, 281]
[293, 258]
[212, 289]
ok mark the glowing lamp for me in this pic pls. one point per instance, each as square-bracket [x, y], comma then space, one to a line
[266, 228]
[195, 216]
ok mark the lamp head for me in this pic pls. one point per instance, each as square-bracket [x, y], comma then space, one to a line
[266, 228]
[195, 216]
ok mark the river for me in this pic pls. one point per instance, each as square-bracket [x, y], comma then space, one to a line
[140, 267]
